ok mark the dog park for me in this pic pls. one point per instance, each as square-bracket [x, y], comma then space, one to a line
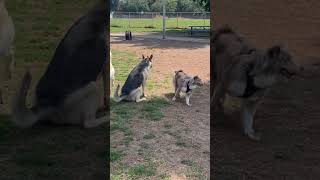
[154, 139]
[159, 138]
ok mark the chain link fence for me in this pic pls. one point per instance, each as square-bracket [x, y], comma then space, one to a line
[152, 21]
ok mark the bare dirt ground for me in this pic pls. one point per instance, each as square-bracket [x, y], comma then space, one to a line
[289, 122]
[180, 142]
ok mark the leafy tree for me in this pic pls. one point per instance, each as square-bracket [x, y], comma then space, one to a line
[114, 5]
[134, 5]
[185, 6]
[171, 6]
[204, 3]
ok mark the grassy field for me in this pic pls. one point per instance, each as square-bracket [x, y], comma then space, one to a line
[123, 115]
[155, 25]
[46, 152]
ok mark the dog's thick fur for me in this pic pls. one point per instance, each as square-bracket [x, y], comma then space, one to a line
[134, 87]
[245, 72]
[186, 84]
[7, 34]
[112, 71]
[67, 93]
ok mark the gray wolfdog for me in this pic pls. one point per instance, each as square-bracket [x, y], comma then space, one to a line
[7, 33]
[186, 84]
[67, 92]
[246, 73]
[133, 88]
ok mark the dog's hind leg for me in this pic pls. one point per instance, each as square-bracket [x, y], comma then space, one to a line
[249, 109]
[137, 93]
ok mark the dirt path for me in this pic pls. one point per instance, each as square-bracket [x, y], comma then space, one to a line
[179, 143]
[290, 149]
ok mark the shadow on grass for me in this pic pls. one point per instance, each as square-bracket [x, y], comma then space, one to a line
[123, 116]
[154, 40]
[52, 152]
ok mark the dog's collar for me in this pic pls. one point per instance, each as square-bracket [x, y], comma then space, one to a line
[188, 87]
[251, 88]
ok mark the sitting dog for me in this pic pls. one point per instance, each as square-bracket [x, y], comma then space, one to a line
[246, 73]
[186, 84]
[67, 92]
[133, 88]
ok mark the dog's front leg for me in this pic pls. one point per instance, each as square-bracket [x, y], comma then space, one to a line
[176, 94]
[248, 112]
[188, 99]
[143, 87]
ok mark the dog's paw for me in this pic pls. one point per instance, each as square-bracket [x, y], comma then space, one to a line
[189, 105]
[254, 136]
[174, 99]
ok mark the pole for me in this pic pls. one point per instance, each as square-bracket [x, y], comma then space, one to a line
[164, 18]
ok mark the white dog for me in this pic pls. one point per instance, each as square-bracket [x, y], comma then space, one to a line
[6, 46]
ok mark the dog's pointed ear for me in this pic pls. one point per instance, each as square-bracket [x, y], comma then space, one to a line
[196, 77]
[150, 59]
[143, 56]
[274, 51]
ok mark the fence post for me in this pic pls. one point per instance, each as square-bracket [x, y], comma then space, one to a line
[129, 20]
[152, 18]
[177, 20]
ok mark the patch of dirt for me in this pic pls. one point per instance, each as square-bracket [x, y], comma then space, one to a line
[289, 122]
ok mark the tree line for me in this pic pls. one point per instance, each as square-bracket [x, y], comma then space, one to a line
[156, 5]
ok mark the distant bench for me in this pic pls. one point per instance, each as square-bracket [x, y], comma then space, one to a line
[198, 29]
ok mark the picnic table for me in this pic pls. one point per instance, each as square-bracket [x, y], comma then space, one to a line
[201, 29]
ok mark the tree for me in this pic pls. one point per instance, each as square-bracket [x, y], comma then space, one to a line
[204, 3]
[171, 6]
[134, 5]
[114, 5]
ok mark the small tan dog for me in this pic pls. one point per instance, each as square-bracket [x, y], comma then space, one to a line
[6, 46]
[186, 84]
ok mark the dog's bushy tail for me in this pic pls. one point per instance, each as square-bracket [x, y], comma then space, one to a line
[118, 98]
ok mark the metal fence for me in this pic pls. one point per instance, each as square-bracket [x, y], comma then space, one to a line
[154, 19]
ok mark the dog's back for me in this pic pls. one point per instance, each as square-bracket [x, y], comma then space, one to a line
[136, 78]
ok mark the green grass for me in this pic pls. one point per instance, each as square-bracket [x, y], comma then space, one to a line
[116, 155]
[124, 115]
[141, 171]
[40, 25]
[149, 136]
[152, 108]
[155, 25]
